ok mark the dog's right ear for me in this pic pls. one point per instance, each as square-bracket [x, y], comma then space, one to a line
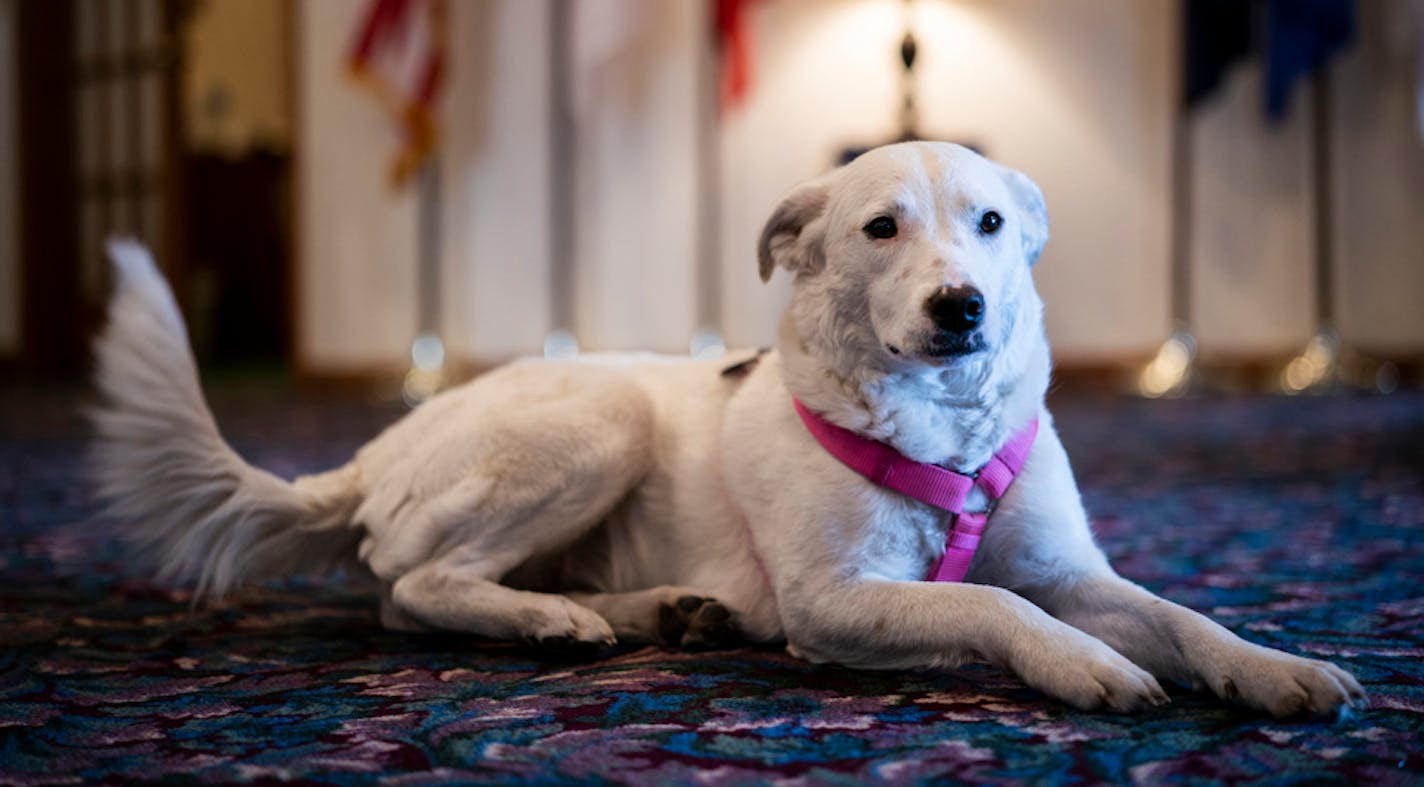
[786, 240]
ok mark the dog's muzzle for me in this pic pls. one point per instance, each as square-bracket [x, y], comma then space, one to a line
[957, 313]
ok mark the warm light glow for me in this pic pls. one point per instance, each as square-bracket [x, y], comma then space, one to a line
[863, 39]
[420, 385]
[1168, 373]
[427, 371]
[1316, 365]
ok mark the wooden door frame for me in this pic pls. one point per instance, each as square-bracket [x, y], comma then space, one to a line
[48, 221]
[57, 321]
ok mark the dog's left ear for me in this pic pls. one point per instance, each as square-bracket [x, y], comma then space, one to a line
[1034, 226]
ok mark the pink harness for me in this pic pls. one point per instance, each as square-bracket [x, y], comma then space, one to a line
[941, 488]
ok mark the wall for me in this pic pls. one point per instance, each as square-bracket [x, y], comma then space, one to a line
[633, 284]
[1379, 196]
[495, 171]
[1078, 95]
[9, 174]
[1252, 289]
[232, 99]
[636, 194]
[637, 180]
[355, 236]
[1073, 94]
[1254, 254]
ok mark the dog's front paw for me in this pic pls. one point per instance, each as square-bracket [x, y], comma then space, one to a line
[1285, 685]
[694, 621]
[1087, 674]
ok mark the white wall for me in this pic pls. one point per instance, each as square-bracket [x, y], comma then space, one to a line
[1254, 241]
[356, 254]
[1252, 238]
[1072, 93]
[637, 189]
[1379, 196]
[495, 171]
[1079, 95]
[9, 176]
[635, 185]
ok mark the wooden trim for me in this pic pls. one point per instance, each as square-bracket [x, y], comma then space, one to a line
[1092, 373]
[295, 159]
[11, 357]
[302, 365]
[1239, 373]
[172, 214]
[384, 379]
[132, 85]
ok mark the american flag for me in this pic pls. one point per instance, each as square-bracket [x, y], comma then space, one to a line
[399, 55]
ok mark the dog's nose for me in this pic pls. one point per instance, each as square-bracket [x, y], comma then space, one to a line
[957, 309]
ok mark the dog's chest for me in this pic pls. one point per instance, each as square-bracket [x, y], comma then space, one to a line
[904, 537]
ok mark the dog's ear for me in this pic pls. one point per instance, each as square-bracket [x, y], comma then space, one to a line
[1034, 226]
[784, 239]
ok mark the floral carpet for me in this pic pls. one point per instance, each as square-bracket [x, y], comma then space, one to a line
[1298, 523]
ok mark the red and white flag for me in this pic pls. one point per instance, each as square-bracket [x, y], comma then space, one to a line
[732, 25]
[399, 55]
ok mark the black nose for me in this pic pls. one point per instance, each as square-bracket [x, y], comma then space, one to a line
[957, 309]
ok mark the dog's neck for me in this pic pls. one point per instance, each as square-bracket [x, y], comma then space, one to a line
[955, 416]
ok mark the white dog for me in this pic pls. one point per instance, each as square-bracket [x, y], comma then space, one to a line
[681, 502]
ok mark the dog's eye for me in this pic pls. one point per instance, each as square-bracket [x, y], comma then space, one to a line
[990, 222]
[881, 227]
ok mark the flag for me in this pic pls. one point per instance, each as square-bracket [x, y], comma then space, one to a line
[1301, 35]
[1217, 34]
[398, 54]
[1295, 39]
[730, 22]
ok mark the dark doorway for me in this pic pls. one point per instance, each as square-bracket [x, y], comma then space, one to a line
[108, 146]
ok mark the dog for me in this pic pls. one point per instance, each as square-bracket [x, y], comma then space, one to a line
[694, 502]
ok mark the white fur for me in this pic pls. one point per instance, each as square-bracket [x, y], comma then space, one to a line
[584, 500]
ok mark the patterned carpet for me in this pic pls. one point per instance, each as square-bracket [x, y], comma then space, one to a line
[1296, 522]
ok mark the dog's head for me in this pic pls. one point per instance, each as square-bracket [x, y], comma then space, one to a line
[916, 253]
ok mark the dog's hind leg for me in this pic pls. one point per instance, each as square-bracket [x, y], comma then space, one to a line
[667, 615]
[452, 593]
[537, 477]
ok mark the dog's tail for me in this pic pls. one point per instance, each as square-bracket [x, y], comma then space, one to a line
[158, 459]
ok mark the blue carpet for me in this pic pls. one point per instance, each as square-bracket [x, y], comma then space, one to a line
[1298, 523]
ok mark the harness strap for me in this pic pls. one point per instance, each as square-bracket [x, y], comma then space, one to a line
[928, 483]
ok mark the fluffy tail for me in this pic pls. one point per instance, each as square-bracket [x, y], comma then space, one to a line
[205, 514]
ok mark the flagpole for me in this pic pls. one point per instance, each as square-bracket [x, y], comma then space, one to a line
[427, 351]
[707, 339]
[563, 188]
[1171, 372]
[429, 248]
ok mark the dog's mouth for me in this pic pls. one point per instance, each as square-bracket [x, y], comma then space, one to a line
[946, 345]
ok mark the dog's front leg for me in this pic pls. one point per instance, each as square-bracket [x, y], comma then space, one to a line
[1187, 647]
[883, 624]
[1039, 545]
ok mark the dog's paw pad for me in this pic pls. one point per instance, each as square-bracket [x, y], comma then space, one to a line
[696, 622]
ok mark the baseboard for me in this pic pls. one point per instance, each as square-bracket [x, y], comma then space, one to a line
[1236, 374]
[1244, 374]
